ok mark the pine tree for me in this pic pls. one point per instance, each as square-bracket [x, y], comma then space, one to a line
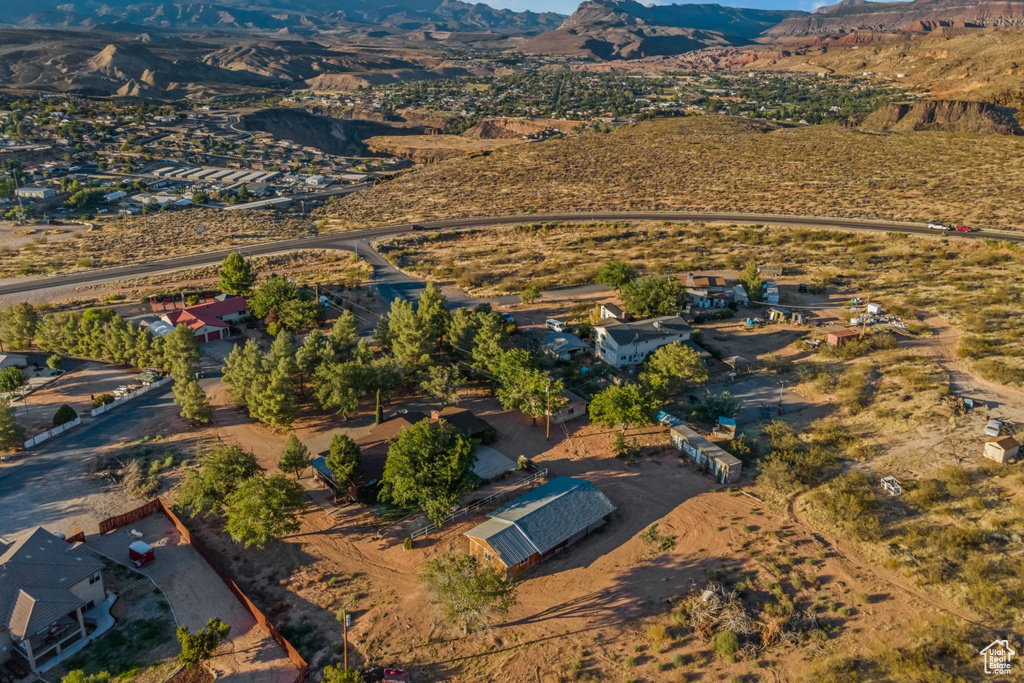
[432, 314]
[343, 336]
[409, 341]
[339, 386]
[242, 368]
[11, 433]
[382, 334]
[295, 457]
[18, 325]
[343, 459]
[315, 350]
[489, 343]
[191, 398]
[277, 404]
[236, 275]
[181, 352]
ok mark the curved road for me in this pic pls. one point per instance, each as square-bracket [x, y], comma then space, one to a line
[350, 238]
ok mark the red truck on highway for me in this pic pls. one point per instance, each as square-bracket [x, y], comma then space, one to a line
[965, 228]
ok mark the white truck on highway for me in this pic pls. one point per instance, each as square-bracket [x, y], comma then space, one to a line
[939, 226]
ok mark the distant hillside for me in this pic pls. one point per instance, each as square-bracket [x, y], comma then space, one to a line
[941, 115]
[311, 15]
[624, 29]
[914, 16]
[977, 66]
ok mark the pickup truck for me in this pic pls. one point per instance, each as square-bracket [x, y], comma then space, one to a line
[939, 226]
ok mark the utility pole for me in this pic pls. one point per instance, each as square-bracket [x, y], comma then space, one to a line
[344, 627]
[547, 434]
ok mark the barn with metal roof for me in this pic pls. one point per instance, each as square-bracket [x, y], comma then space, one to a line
[539, 524]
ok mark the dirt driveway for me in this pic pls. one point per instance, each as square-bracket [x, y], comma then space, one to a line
[197, 595]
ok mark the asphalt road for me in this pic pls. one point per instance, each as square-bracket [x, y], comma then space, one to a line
[349, 239]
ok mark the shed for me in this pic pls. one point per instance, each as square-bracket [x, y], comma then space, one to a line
[539, 524]
[778, 314]
[141, 553]
[1002, 450]
[841, 337]
[725, 467]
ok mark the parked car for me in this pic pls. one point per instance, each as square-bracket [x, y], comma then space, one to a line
[555, 325]
[507, 317]
[417, 226]
[802, 288]
[994, 428]
[965, 228]
[938, 226]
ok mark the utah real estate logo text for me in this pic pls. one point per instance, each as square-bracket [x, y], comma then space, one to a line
[997, 657]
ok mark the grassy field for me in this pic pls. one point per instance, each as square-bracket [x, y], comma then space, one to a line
[718, 163]
[974, 285]
[159, 235]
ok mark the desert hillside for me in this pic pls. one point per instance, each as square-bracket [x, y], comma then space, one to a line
[720, 163]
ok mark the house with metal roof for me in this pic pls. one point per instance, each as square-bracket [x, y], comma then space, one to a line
[622, 344]
[46, 586]
[539, 524]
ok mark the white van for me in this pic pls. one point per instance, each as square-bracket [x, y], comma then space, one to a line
[555, 325]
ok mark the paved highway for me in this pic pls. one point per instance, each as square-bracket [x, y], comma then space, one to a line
[348, 240]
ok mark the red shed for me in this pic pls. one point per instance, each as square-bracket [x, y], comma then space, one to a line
[141, 553]
[842, 336]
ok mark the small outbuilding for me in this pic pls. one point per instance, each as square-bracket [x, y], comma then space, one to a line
[1002, 450]
[841, 337]
[141, 553]
[539, 524]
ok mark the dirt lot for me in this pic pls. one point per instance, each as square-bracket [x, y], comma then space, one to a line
[196, 595]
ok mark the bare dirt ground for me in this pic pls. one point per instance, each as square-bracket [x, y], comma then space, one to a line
[196, 595]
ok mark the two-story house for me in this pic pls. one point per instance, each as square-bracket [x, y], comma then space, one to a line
[46, 587]
[621, 344]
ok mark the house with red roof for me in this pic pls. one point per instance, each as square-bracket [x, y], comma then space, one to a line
[211, 321]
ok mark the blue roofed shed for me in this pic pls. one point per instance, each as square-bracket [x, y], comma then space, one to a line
[539, 524]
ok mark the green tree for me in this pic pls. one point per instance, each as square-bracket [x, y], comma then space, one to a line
[271, 295]
[387, 374]
[263, 509]
[340, 386]
[245, 372]
[463, 326]
[432, 314]
[190, 397]
[752, 281]
[336, 673]
[199, 647]
[277, 404]
[343, 336]
[54, 362]
[64, 415]
[713, 406]
[466, 592]
[653, 296]
[343, 459]
[623, 407]
[237, 276]
[18, 325]
[299, 314]
[409, 341]
[443, 382]
[524, 387]
[382, 334]
[616, 274]
[489, 343]
[428, 465]
[295, 457]
[11, 379]
[529, 295]
[181, 353]
[220, 473]
[316, 350]
[11, 433]
[671, 368]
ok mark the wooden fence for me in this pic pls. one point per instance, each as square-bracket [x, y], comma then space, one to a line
[264, 623]
[118, 521]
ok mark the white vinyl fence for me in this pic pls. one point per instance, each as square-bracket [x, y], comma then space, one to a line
[139, 392]
[39, 438]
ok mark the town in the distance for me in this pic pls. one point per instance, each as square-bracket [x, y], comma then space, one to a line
[401, 341]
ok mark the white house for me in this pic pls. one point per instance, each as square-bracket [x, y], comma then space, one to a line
[623, 344]
[32, 192]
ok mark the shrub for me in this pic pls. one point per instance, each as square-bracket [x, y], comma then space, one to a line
[54, 362]
[64, 415]
[658, 635]
[726, 643]
[102, 400]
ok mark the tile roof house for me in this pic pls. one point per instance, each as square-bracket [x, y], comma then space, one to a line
[622, 344]
[46, 585]
[209, 321]
[539, 524]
